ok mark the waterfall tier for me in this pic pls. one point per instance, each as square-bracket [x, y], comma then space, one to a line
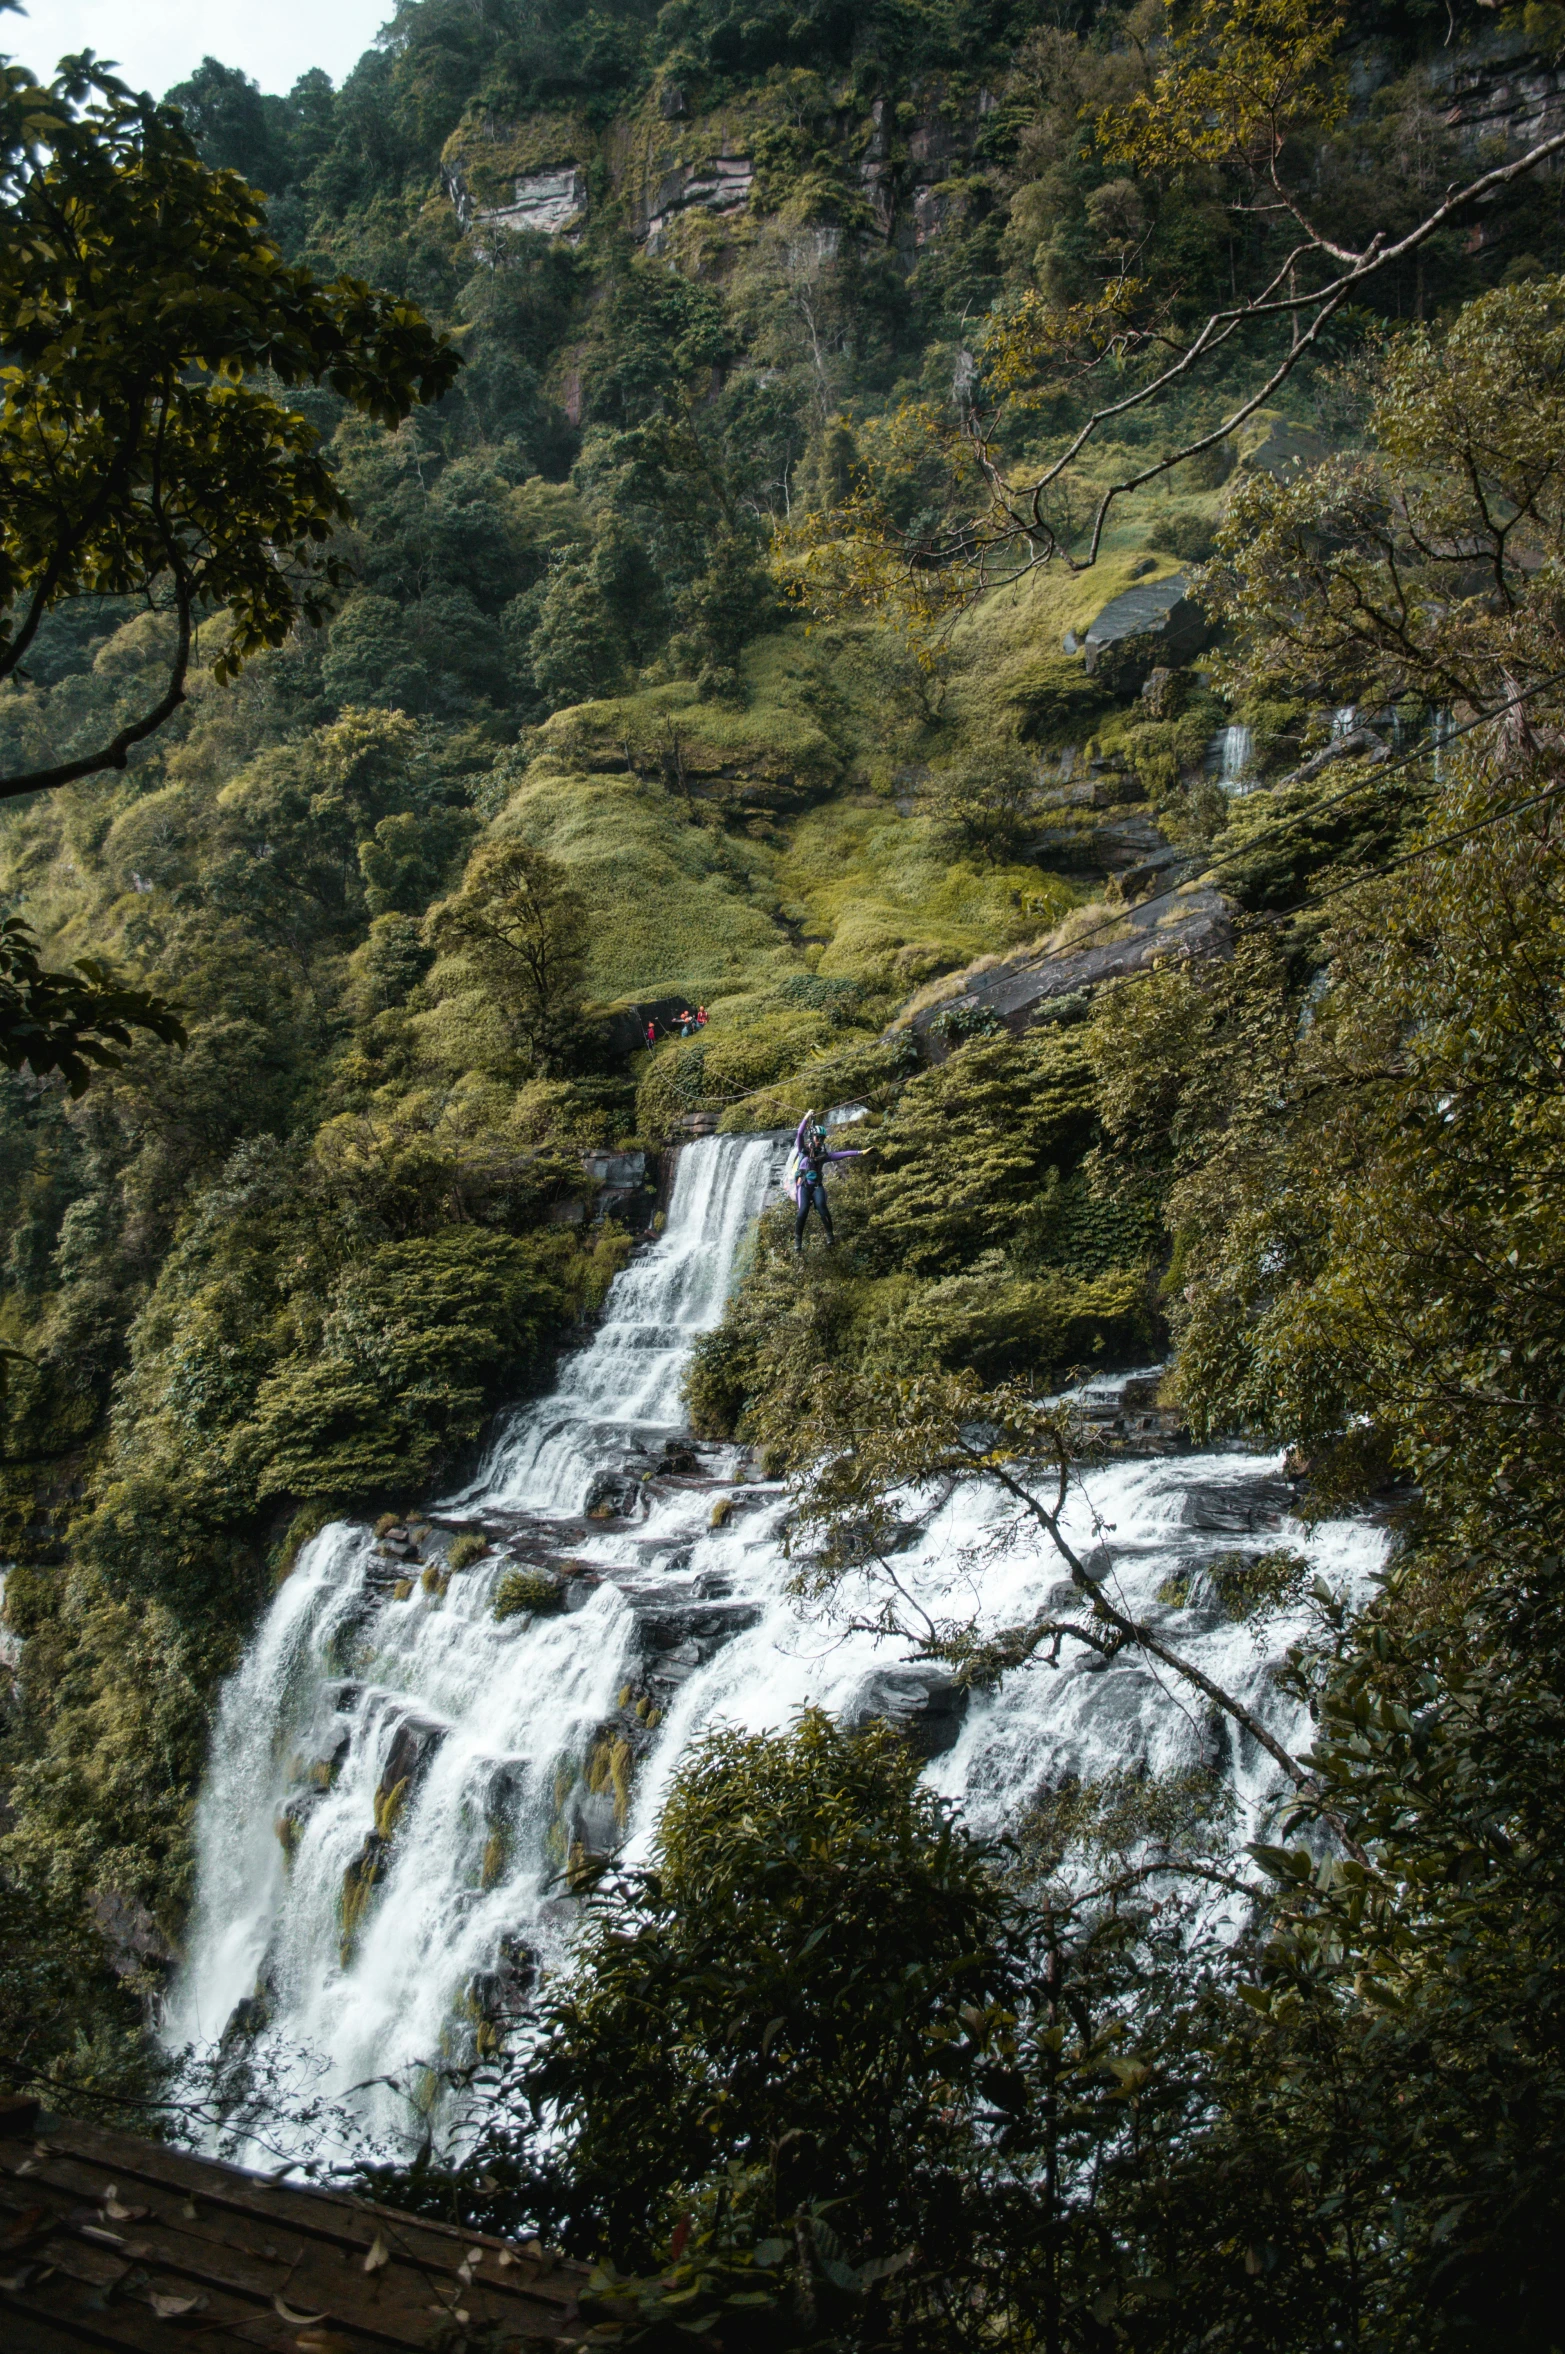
[400, 1781]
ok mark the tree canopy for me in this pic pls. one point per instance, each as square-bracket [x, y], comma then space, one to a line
[149, 324]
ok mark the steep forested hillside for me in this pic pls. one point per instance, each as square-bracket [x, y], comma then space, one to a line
[586, 742]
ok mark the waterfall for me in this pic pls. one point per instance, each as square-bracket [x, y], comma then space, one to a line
[629, 1379]
[383, 1822]
[399, 1781]
[1343, 721]
[1231, 759]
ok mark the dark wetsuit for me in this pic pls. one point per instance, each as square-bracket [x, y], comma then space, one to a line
[810, 1192]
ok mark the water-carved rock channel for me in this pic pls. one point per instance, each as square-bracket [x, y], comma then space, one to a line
[401, 1778]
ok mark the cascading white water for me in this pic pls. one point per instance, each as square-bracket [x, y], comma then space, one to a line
[631, 1375]
[353, 1688]
[432, 1769]
[1232, 758]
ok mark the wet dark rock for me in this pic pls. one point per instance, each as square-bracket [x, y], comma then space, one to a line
[1127, 841]
[248, 2017]
[296, 1812]
[135, 1942]
[590, 1819]
[670, 1554]
[369, 1865]
[613, 1495]
[1154, 873]
[1152, 626]
[409, 1758]
[674, 1638]
[501, 1991]
[619, 1170]
[924, 1704]
[1246, 1509]
[320, 1762]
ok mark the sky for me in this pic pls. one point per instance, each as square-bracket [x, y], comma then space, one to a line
[160, 42]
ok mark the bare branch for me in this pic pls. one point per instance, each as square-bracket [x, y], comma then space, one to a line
[116, 752]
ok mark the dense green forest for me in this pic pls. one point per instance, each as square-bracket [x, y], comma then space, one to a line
[589, 725]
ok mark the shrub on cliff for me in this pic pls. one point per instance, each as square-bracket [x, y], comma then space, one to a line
[417, 1344]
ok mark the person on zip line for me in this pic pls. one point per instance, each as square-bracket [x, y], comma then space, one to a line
[807, 1175]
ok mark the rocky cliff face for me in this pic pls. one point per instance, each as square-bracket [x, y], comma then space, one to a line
[685, 181]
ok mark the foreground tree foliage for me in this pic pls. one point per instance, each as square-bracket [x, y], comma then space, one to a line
[70, 1022]
[139, 296]
[855, 2083]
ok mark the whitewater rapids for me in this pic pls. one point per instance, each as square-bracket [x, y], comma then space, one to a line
[469, 1758]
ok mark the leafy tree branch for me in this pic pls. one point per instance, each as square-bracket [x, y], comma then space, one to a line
[146, 318]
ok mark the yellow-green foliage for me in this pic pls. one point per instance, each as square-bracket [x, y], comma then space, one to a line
[676, 905]
[388, 1807]
[970, 1235]
[464, 1550]
[611, 1763]
[801, 1025]
[358, 1886]
[1010, 671]
[527, 1589]
[496, 1852]
[892, 907]
[673, 733]
[486, 156]
[431, 1323]
[118, 1736]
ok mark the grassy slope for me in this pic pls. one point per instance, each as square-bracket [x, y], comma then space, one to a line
[853, 887]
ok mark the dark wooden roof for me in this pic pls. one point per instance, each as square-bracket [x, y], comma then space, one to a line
[107, 2240]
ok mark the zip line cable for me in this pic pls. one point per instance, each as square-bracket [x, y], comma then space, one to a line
[1374, 874]
[1278, 833]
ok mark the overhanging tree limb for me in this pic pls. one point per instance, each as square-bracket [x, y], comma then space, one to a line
[146, 321]
[951, 1430]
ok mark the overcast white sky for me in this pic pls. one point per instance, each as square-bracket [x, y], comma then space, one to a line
[159, 42]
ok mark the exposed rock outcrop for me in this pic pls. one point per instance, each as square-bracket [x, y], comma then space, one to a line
[1153, 625]
[1037, 985]
[545, 202]
[924, 1704]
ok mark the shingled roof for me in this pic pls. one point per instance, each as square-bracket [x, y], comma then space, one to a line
[110, 2241]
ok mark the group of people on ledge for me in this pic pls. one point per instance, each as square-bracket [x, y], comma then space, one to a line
[685, 1025]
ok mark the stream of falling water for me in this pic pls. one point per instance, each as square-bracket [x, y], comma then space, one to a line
[398, 1781]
